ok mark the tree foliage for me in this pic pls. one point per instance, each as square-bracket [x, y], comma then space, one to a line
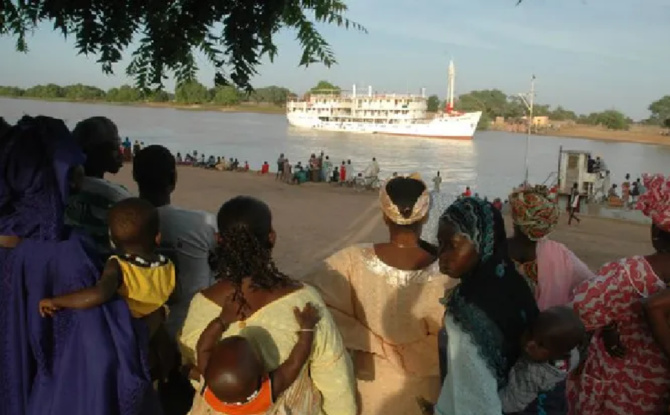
[226, 96]
[191, 92]
[276, 95]
[660, 110]
[232, 35]
[125, 93]
[187, 93]
[561, 114]
[611, 119]
[325, 87]
[433, 103]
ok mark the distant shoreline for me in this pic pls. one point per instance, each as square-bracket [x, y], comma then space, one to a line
[636, 135]
[248, 108]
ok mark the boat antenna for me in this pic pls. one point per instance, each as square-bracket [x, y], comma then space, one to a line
[451, 75]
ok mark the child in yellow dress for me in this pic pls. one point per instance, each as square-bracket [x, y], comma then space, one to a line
[142, 277]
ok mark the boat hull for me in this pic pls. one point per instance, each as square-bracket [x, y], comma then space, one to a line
[461, 126]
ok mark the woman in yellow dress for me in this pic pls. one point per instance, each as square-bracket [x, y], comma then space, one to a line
[385, 299]
[265, 300]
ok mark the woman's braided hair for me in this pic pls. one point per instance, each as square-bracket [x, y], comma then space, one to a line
[245, 250]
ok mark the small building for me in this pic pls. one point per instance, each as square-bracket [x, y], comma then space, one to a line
[541, 121]
[573, 168]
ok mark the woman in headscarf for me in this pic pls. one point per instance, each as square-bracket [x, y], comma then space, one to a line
[551, 270]
[80, 362]
[385, 300]
[486, 313]
[634, 377]
[265, 299]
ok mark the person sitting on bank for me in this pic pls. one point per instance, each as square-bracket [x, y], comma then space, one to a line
[265, 168]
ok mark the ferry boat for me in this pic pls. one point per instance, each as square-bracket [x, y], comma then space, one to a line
[393, 114]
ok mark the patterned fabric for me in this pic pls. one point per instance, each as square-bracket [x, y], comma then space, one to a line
[439, 201]
[655, 202]
[146, 286]
[528, 379]
[79, 362]
[469, 388]
[302, 398]
[638, 384]
[493, 291]
[419, 210]
[390, 319]
[529, 272]
[258, 404]
[326, 384]
[534, 212]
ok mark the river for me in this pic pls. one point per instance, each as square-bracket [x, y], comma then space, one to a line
[491, 164]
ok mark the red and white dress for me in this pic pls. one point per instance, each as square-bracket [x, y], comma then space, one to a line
[638, 384]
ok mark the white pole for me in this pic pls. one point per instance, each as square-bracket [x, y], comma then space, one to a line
[531, 101]
[452, 76]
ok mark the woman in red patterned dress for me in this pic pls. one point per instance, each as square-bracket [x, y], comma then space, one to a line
[633, 377]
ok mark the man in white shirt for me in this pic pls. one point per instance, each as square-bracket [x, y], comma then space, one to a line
[188, 237]
[373, 169]
[87, 210]
[372, 172]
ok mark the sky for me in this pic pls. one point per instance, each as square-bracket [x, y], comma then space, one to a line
[587, 55]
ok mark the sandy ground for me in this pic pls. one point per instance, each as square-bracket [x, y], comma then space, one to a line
[636, 134]
[315, 220]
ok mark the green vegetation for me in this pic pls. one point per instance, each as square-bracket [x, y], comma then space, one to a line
[433, 103]
[495, 103]
[186, 93]
[234, 36]
[612, 119]
[660, 112]
[325, 87]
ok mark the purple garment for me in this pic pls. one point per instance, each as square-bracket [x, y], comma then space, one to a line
[80, 362]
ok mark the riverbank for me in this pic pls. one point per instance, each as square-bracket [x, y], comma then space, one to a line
[245, 107]
[314, 220]
[639, 134]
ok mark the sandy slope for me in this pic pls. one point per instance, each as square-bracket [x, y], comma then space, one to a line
[315, 220]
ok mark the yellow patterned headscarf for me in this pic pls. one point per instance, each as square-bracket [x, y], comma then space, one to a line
[419, 211]
[534, 212]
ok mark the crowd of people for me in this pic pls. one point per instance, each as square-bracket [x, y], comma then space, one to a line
[111, 298]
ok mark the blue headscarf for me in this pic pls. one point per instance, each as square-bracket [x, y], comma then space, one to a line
[492, 303]
[79, 362]
[36, 157]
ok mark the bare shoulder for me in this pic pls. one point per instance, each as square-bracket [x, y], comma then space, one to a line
[219, 292]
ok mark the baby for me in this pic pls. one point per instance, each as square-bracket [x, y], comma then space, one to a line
[549, 353]
[235, 378]
[142, 277]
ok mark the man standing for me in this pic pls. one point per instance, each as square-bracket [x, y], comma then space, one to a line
[437, 181]
[99, 139]
[280, 166]
[188, 237]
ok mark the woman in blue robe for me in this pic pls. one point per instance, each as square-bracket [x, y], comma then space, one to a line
[79, 362]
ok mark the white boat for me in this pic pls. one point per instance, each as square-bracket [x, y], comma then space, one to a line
[394, 114]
